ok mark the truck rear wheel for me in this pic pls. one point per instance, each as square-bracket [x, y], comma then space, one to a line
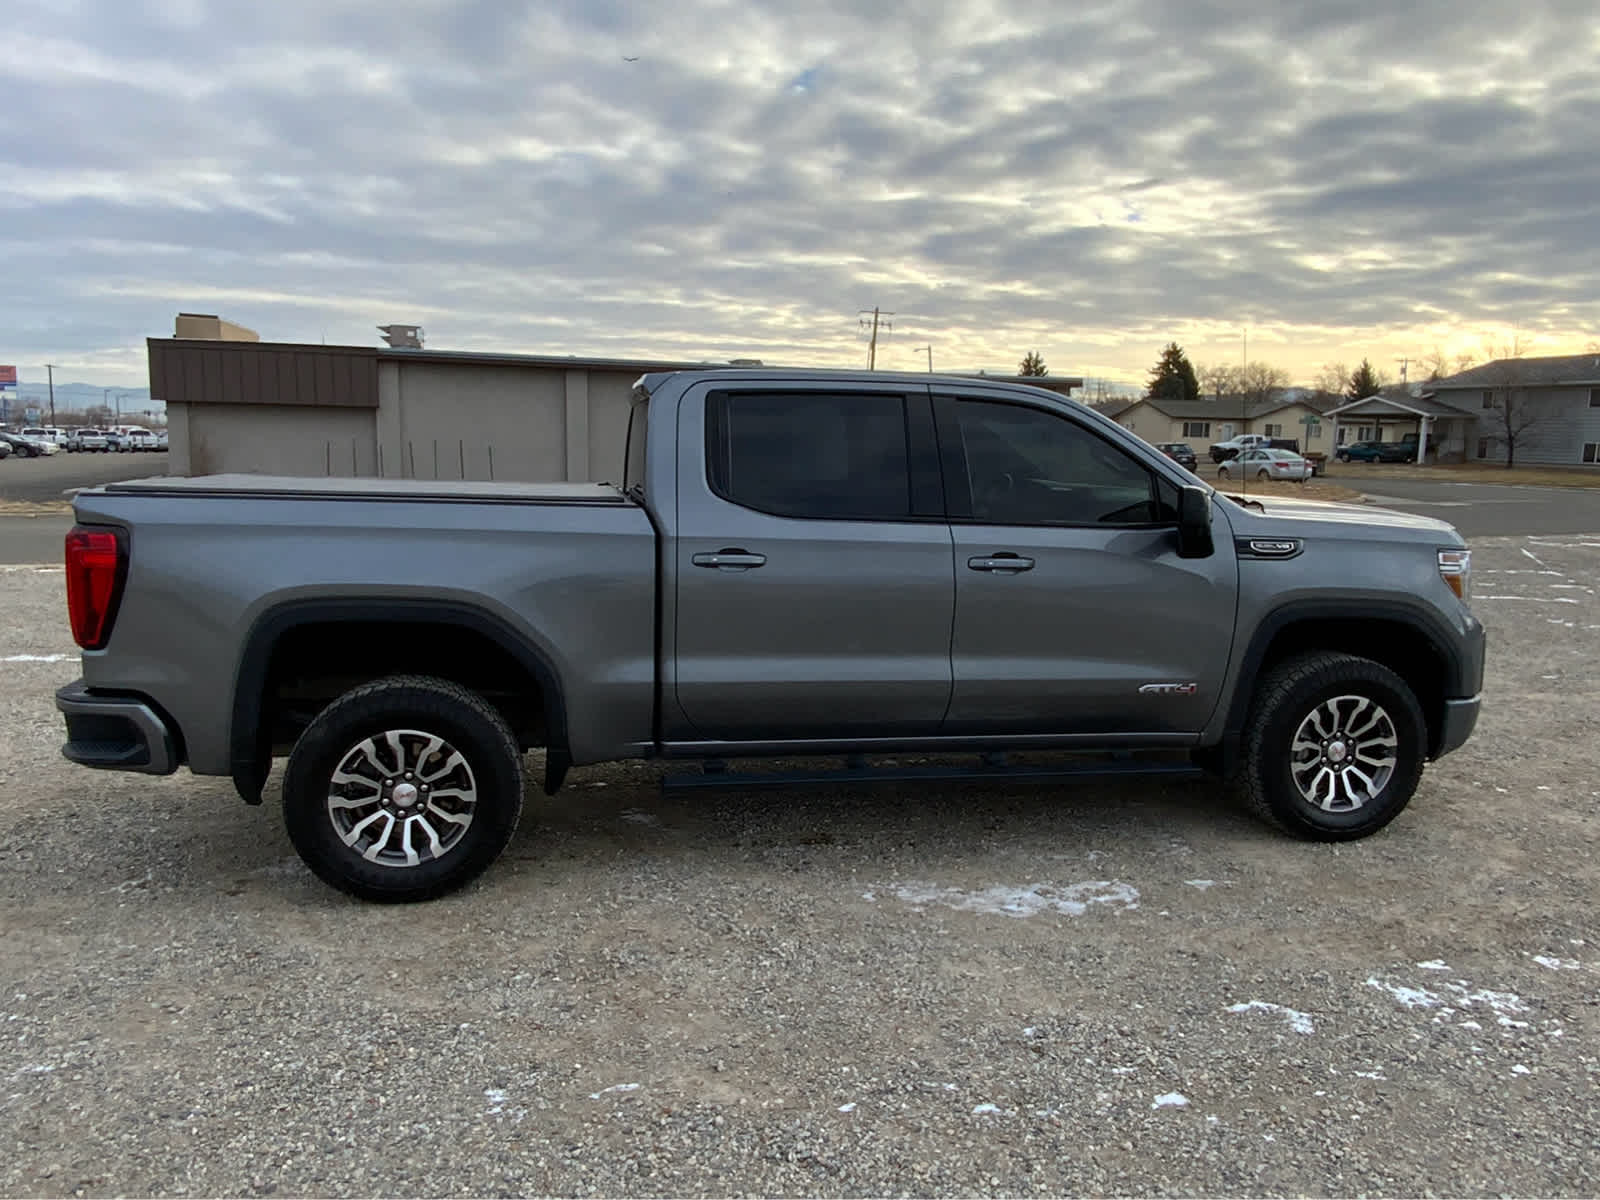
[403, 789]
[1334, 747]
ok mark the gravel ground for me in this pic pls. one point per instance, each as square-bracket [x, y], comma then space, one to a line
[1126, 988]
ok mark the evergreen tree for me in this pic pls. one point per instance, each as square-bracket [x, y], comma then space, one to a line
[1032, 365]
[1364, 382]
[1173, 376]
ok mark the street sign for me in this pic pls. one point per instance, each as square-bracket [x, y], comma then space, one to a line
[8, 378]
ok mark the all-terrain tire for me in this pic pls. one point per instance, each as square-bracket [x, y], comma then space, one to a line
[403, 789]
[1348, 716]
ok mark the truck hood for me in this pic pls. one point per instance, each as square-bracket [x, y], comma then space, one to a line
[1286, 516]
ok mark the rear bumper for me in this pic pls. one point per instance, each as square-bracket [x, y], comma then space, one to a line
[1460, 717]
[115, 733]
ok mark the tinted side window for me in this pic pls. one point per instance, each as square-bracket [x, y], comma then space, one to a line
[1030, 467]
[810, 454]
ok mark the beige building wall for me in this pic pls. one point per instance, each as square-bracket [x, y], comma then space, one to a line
[270, 439]
[211, 328]
[467, 421]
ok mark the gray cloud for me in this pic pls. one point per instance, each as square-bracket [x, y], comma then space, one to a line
[1002, 174]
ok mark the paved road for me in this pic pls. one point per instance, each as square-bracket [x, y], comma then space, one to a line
[1490, 509]
[1476, 509]
[42, 480]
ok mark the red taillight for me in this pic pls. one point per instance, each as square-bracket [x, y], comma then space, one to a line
[94, 584]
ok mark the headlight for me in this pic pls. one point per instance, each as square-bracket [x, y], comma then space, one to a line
[1455, 568]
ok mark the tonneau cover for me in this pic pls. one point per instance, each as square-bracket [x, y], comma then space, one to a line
[303, 487]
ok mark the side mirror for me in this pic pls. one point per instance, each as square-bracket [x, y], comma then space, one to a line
[1194, 523]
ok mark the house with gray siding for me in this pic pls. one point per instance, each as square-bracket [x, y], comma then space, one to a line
[1553, 405]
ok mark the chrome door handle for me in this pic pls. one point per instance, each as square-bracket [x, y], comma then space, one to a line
[732, 559]
[1006, 564]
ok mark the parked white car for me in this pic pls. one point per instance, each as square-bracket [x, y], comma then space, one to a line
[50, 438]
[87, 440]
[137, 439]
[1267, 464]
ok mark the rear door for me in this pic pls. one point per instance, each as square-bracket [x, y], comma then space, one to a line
[1074, 613]
[812, 563]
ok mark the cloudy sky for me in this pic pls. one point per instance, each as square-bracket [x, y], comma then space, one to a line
[1340, 177]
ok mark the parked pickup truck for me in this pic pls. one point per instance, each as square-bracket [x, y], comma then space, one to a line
[1234, 446]
[796, 563]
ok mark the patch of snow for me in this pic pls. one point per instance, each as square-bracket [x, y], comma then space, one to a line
[1469, 1025]
[1433, 964]
[496, 1098]
[986, 1109]
[1030, 1031]
[1408, 996]
[1170, 1100]
[1298, 1021]
[38, 658]
[637, 816]
[1371, 1075]
[1557, 964]
[851, 1107]
[616, 1087]
[1072, 899]
[1202, 884]
[1519, 1069]
[1462, 995]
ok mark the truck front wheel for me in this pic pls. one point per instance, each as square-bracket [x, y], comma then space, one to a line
[403, 789]
[1334, 746]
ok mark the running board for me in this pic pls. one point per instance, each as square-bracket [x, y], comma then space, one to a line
[992, 769]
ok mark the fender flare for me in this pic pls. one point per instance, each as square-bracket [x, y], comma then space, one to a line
[1429, 629]
[249, 745]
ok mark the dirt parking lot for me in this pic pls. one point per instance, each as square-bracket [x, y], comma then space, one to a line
[951, 991]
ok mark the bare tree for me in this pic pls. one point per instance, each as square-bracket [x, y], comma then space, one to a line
[1257, 381]
[1217, 381]
[1514, 411]
[1333, 379]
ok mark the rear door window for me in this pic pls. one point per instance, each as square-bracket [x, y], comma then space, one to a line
[810, 454]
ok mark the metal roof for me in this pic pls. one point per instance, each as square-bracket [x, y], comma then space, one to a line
[1575, 369]
[1425, 406]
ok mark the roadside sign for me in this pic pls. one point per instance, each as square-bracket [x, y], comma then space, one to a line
[8, 378]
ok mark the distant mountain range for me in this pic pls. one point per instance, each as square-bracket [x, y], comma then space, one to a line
[75, 398]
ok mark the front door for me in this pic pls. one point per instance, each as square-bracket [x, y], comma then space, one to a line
[814, 585]
[1074, 613]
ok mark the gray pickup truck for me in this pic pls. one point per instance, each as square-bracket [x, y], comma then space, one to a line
[797, 564]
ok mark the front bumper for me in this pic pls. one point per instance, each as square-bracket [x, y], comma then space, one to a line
[115, 733]
[1460, 717]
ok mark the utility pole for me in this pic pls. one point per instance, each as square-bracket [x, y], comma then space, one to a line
[1244, 403]
[50, 372]
[1404, 363]
[929, 349]
[879, 320]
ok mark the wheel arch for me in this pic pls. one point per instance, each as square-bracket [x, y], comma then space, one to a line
[1406, 639]
[250, 734]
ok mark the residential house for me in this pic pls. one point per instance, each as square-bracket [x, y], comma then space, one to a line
[1555, 401]
[1291, 413]
[1391, 414]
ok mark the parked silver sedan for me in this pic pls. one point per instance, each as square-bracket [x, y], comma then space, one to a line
[1267, 464]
